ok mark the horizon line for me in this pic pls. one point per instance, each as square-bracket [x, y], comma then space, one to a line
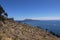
[41, 18]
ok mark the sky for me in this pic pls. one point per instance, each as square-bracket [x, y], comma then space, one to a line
[32, 9]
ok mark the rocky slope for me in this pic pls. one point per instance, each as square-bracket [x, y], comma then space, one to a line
[19, 31]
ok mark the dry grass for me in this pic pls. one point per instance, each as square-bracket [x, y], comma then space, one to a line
[19, 31]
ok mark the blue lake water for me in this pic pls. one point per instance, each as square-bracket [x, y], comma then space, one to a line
[51, 25]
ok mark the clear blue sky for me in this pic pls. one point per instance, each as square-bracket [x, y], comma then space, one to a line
[32, 9]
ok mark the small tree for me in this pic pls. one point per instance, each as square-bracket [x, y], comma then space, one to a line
[3, 14]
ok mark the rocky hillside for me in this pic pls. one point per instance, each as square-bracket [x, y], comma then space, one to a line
[11, 30]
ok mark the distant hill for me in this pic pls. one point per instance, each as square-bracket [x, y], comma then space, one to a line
[12, 30]
[30, 20]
